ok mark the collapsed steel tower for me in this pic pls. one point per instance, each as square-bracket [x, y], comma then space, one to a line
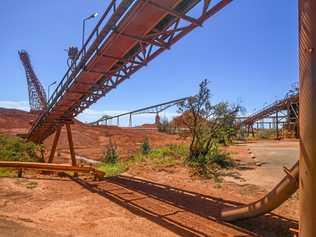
[37, 95]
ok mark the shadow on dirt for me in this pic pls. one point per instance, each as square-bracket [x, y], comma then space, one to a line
[182, 208]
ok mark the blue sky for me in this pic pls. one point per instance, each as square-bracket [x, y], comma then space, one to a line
[248, 52]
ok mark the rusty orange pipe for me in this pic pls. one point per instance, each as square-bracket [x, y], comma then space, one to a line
[278, 195]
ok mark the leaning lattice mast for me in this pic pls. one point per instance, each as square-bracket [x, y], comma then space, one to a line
[37, 95]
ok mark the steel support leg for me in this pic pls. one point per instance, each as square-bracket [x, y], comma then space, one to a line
[55, 142]
[130, 120]
[71, 145]
[307, 117]
[277, 125]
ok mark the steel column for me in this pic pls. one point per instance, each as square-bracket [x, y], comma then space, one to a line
[130, 120]
[277, 125]
[71, 145]
[307, 117]
[55, 142]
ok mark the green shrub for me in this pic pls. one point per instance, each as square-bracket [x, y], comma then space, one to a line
[110, 156]
[208, 125]
[111, 169]
[165, 156]
[164, 125]
[145, 147]
[17, 149]
[172, 150]
[209, 165]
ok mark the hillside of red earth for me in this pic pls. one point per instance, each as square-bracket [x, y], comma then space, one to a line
[90, 141]
[13, 121]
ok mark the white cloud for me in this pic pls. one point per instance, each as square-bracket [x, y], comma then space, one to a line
[21, 105]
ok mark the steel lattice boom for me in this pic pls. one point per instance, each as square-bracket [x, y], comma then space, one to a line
[37, 96]
[128, 36]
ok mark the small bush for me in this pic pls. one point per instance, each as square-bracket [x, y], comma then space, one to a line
[165, 156]
[17, 149]
[164, 126]
[145, 147]
[111, 169]
[211, 164]
[176, 151]
[110, 156]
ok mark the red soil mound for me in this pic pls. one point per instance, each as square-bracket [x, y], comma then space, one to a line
[13, 121]
[90, 141]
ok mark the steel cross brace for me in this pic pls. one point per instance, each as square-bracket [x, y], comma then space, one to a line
[145, 53]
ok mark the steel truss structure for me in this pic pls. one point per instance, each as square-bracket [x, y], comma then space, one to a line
[37, 96]
[282, 112]
[154, 109]
[128, 36]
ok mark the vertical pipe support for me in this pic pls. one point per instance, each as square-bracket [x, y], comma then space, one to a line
[307, 117]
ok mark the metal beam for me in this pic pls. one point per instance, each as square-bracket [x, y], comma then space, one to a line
[174, 13]
[55, 142]
[71, 145]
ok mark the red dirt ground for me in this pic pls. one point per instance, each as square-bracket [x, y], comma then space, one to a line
[141, 202]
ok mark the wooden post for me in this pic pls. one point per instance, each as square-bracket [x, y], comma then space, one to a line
[71, 145]
[55, 142]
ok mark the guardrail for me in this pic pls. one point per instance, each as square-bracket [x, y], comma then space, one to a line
[107, 22]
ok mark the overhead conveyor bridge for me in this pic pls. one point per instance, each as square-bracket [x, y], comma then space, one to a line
[279, 105]
[128, 36]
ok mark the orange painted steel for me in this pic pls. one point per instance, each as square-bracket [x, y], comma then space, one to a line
[50, 167]
[125, 41]
[278, 195]
[278, 105]
[55, 143]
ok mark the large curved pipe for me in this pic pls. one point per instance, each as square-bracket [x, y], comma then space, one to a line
[278, 195]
